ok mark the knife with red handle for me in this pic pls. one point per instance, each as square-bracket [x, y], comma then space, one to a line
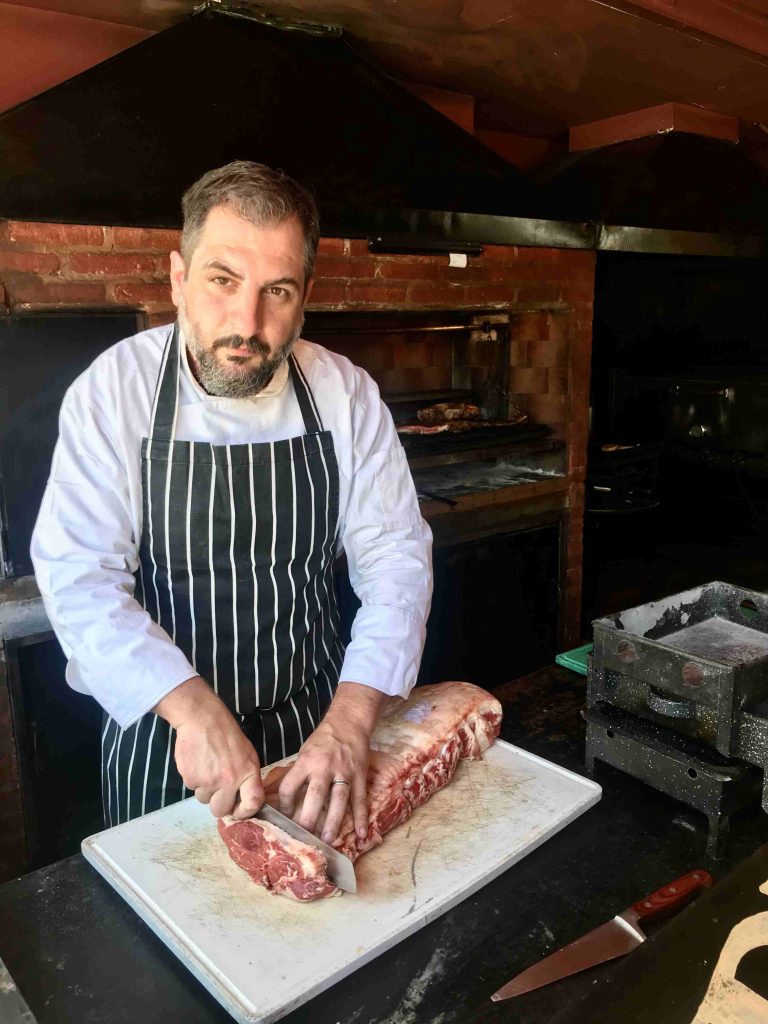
[614, 938]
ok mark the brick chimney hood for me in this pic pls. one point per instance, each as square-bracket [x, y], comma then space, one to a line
[120, 142]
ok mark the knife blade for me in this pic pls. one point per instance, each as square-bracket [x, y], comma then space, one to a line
[614, 938]
[340, 869]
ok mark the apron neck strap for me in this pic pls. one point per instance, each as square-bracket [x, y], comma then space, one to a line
[165, 407]
[313, 424]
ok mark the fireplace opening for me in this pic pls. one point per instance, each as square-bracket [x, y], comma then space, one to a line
[41, 354]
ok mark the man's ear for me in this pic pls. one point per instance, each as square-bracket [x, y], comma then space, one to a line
[308, 290]
[178, 276]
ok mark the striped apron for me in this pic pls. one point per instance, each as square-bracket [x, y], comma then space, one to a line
[235, 564]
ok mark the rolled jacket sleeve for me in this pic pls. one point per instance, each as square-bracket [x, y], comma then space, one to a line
[85, 553]
[388, 547]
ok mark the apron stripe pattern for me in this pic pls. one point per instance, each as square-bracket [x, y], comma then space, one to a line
[235, 564]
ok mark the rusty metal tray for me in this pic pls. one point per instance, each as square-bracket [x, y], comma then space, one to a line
[697, 659]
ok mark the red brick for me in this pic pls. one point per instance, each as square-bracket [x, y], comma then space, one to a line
[527, 381]
[431, 378]
[529, 327]
[548, 353]
[558, 326]
[160, 318]
[558, 382]
[34, 262]
[381, 294]
[32, 291]
[43, 237]
[412, 356]
[137, 294]
[332, 246]
[519, 354]
[448, 296]
[418, 268]
[436, 269]
[339, 268]
[548, 408]
[357, 247]
[111, 264]
[481, 292]
[325, 293]
[579, 288]
[501, 253]
[532, 295]
[145, 239]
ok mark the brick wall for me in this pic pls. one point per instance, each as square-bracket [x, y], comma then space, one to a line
[548, 293]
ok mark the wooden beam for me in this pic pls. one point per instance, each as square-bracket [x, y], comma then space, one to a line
[726, 20]
[667, 117]
[457, 106]
[526, 152]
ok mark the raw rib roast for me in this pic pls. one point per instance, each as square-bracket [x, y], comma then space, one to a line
[414, 752]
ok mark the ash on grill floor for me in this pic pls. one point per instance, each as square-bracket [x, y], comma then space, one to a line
[468, 478]
[720, 640]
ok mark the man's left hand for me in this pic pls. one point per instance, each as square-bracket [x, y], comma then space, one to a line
[332, 766]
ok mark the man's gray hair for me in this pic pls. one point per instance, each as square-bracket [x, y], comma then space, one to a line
[256, 193]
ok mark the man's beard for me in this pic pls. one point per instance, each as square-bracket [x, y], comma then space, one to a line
[219, 381]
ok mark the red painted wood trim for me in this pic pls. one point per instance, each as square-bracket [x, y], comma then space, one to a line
[458, 106]
[719, 19]
[666, 117]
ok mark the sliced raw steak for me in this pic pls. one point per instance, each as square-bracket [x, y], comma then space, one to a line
[415, 749]
[275, 860]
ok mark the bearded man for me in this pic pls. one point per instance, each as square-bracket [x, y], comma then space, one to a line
[206, 476]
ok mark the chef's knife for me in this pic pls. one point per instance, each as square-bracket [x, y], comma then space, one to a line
[340, 869]
[609, 940]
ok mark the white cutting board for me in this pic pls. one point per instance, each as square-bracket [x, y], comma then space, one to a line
[262, 955]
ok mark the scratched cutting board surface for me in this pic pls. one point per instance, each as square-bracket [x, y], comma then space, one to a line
[262, 955]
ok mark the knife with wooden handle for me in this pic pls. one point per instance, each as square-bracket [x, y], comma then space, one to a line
[614, 938]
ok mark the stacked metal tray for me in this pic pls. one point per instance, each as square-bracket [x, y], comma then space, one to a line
[677, 695]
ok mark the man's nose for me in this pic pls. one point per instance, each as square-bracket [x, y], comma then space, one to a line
[246, 313]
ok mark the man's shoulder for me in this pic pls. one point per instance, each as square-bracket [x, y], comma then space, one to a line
[321, 364]
[140, 349]
[132, 362]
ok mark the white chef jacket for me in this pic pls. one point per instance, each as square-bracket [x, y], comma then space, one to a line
[85, 543]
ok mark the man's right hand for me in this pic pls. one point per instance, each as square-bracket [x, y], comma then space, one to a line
[213, 756]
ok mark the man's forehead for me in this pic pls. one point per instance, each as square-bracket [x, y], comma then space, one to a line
[226, 234]
[224, 222]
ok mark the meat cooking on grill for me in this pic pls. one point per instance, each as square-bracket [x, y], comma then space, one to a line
[445, 412]
[414, 752]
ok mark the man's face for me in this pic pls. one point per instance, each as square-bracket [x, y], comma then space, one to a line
[240, 301]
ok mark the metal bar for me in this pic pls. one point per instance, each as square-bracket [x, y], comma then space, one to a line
[394, 330]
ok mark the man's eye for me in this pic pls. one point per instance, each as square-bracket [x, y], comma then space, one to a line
[277, 290]
[221, 280]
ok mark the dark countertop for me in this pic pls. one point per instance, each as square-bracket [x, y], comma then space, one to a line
[78, 953]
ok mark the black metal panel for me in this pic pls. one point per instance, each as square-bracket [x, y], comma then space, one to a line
[494, 610]
[40, 356]
[58, 736]
[121, 141]
[675, 182]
